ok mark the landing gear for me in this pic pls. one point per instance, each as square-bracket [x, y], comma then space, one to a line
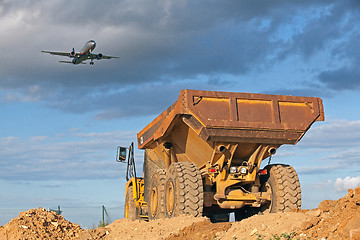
[91, 63]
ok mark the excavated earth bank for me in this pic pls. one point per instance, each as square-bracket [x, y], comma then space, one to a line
[331, 220]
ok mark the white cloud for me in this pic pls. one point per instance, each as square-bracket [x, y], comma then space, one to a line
[327, 151]
[322, 184]
[334, 134]
[38, 138]
[346, 183]
[70, 156]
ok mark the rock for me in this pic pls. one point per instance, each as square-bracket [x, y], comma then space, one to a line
[253, 232]
[315, 212]
[306, 225]
[310, 223]
[327, 205]
[357, 195]
[55, 224]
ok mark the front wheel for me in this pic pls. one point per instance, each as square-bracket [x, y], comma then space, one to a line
[157, 195]
[283, 185]
[131, 211]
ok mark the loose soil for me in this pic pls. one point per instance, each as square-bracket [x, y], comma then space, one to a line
[39, 224]
[331, 220]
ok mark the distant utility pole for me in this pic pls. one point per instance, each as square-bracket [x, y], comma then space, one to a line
[104, 212]
[58, 211]
[103, 215]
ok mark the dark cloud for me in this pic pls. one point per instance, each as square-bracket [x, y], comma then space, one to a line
[341, 79]
[309, 90]
[164, 44]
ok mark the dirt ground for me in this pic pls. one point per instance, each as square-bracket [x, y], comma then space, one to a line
[331, 220]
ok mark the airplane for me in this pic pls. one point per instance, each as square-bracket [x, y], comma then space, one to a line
[84, 54]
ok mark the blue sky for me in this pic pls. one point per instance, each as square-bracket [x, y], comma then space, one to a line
[61, 124]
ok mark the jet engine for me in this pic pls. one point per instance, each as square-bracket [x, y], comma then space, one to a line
[99, 56]
[72, 53]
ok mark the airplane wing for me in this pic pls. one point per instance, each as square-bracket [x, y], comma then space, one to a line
[100, 56]
[58, 53]
[64, 54]
[108, 57]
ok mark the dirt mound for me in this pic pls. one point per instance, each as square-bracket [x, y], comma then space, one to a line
[201, 230]
[266, 226]
[338, 219]
[331, 220]
[39, 224]
[124, 229]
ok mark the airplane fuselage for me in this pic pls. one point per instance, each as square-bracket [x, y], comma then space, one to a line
[84, 52]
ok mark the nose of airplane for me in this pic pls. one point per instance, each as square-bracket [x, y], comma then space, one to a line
[92, 44]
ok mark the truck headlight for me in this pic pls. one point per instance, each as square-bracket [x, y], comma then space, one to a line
[243, 170]
[233, 170]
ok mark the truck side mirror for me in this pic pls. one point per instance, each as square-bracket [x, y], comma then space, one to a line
[121, 154]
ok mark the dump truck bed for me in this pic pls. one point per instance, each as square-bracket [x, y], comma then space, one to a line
[237, 117]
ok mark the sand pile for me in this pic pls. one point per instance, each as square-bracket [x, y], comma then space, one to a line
[124, 229]
[39, 224]
[331, 220]
[338, 219]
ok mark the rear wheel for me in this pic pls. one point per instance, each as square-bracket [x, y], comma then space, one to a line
[131, 211]
[283, 185]
[282, 182]
[157, 195]
[183, 190]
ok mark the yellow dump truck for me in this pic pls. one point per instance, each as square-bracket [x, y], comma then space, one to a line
[203, 156]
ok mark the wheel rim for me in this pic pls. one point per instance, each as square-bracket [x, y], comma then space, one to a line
[153, 201]
[170, 198]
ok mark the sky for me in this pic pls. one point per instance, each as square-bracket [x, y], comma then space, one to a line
[61, 123]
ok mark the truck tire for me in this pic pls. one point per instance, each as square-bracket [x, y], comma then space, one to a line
[131, 211]
[183, 190]
[283, 183]
[157, 195]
